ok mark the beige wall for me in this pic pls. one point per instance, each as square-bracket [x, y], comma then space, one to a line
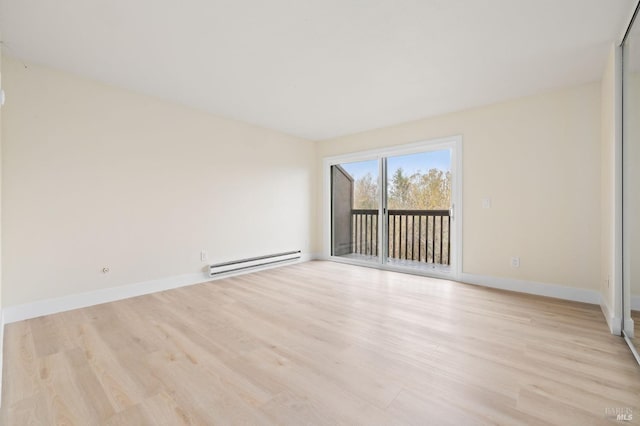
[96, 176]
[538, 159]
[610, 133]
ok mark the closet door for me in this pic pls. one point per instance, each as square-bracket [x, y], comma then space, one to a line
[631, 186]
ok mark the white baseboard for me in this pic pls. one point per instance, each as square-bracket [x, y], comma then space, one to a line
[635, 303]
[521, 286]
[83, 300]
[66, 303]
[614, 322]
[537, 288]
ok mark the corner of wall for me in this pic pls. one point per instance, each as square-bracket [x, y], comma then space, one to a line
[613, 321]
[610, 191]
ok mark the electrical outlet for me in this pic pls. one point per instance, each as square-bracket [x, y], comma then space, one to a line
[515, 262]
[203, 256]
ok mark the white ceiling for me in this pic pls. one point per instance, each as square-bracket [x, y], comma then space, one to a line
[321, 68]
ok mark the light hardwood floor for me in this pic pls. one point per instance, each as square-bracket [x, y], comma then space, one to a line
[320, 343]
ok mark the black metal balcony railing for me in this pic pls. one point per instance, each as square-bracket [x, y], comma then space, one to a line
[418, 235]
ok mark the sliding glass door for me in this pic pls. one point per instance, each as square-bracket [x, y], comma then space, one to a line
[394, 209]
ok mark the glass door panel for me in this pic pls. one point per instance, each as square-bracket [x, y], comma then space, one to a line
[418, 221]
[355, 208]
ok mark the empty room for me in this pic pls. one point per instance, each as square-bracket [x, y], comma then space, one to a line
[319, 212]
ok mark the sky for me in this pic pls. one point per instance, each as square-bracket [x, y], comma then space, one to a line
[410, 164]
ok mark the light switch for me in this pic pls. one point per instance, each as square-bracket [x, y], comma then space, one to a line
[486, 203]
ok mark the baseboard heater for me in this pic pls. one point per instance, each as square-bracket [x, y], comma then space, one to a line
[252, 262]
